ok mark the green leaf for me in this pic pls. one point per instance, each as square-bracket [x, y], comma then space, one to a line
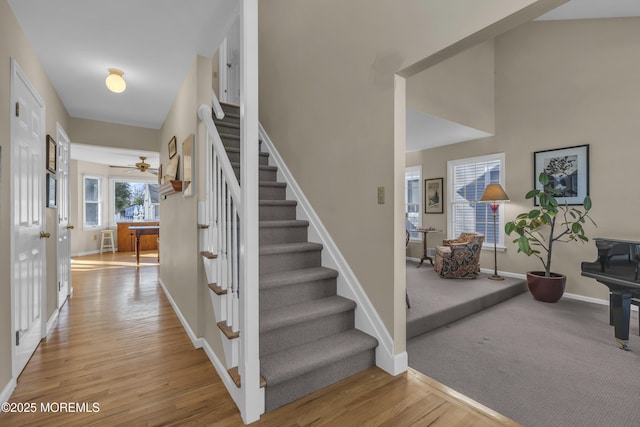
[583, 238]
[509, 227]
[543, 179]
[534, 213]
[587, 203]
[531, 194]
[523, 244]
[576, 227]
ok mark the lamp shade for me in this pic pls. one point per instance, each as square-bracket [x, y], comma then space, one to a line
[115, 83]
[494, 193]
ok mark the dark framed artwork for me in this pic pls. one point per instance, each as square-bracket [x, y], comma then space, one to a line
[51, 154]
[173, 149]
[51, 191]
[568, 170]
[433, 195]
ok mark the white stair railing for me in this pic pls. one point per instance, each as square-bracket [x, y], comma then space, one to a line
[223, 211]
[224, 215]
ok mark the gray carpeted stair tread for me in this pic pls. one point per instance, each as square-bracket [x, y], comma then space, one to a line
[292, 277]
[261, 167]
[278, 203]
[290, 363]
[283, 248]
[303, 312]
[237, 151]
[283, 223]
[222, 122]
[272, 184]
[229, 135]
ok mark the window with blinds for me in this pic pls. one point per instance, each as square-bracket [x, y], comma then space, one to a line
[413, 200]
[467, 180]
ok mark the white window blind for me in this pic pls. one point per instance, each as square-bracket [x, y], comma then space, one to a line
[467, 180]
[413, 200]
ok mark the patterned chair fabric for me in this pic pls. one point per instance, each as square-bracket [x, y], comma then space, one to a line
[460, 258]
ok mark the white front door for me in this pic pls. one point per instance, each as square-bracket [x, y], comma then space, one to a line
[27, 200]
[64, 235]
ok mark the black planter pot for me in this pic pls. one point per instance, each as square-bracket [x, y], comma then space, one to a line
[546, 289]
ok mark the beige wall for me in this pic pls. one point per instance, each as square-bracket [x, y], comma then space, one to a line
[14, 44]
[327, 101]
[95, 132]
[561, 84]
[459, 89]
[181, 267]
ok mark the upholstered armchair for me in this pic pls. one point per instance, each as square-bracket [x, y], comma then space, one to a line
[459, 258]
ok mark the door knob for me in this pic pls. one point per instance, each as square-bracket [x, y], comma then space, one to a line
[70, 227]
[44, 235]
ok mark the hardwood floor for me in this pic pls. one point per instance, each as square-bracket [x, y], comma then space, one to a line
[119, 348]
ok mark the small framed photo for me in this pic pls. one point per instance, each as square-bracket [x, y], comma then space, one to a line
[433, 196]
[173, 149]
[51, 154]
[51, 191]
[568, 170]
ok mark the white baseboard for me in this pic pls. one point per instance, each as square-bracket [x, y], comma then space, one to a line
[234, 391]
[7, 391]
[395, 365]
[52, 320]
[505, 273]
[192, 336]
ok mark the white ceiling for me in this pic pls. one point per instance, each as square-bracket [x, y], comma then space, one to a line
[153, 41]
[426, 131]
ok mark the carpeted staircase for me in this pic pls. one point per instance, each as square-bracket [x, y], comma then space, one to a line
[307, 335]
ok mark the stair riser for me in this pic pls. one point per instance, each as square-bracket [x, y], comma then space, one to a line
[230, 142]
[272, 193]
[227, 129]
[289, 261]
[294, 294]
[268, 175]
[302, 333]
[295, 388]
[276, 213]
[274, 235]
[234, 109]
[235, 158]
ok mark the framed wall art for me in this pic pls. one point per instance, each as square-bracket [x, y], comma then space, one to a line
[51, 191]
[51, 154]
[433, 196]
[568, 170]
[173, 149]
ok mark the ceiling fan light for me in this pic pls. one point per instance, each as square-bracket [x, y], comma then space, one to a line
[115, 83]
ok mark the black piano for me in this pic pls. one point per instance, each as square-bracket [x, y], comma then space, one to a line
[617, 269]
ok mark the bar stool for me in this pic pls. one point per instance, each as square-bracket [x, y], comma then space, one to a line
[106, 242]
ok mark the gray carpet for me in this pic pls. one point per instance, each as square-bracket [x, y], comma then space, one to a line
[436, 302]
[540, 364]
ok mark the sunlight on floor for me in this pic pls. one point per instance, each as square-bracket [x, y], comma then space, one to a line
[109, 261]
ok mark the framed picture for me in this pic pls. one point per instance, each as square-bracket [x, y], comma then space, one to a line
[51, 154]
[51, 191]
[188, 166]
[568, 170]
[433, 195]
[173, 149]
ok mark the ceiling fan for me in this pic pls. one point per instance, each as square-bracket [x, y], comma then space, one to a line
[141, 166]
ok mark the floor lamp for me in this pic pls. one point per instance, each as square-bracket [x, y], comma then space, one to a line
[494, 194]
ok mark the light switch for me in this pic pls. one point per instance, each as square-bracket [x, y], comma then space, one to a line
[381, 195]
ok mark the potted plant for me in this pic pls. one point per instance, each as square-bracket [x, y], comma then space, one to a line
[543, 226]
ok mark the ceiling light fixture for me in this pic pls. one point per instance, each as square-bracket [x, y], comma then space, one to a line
[115, 83]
